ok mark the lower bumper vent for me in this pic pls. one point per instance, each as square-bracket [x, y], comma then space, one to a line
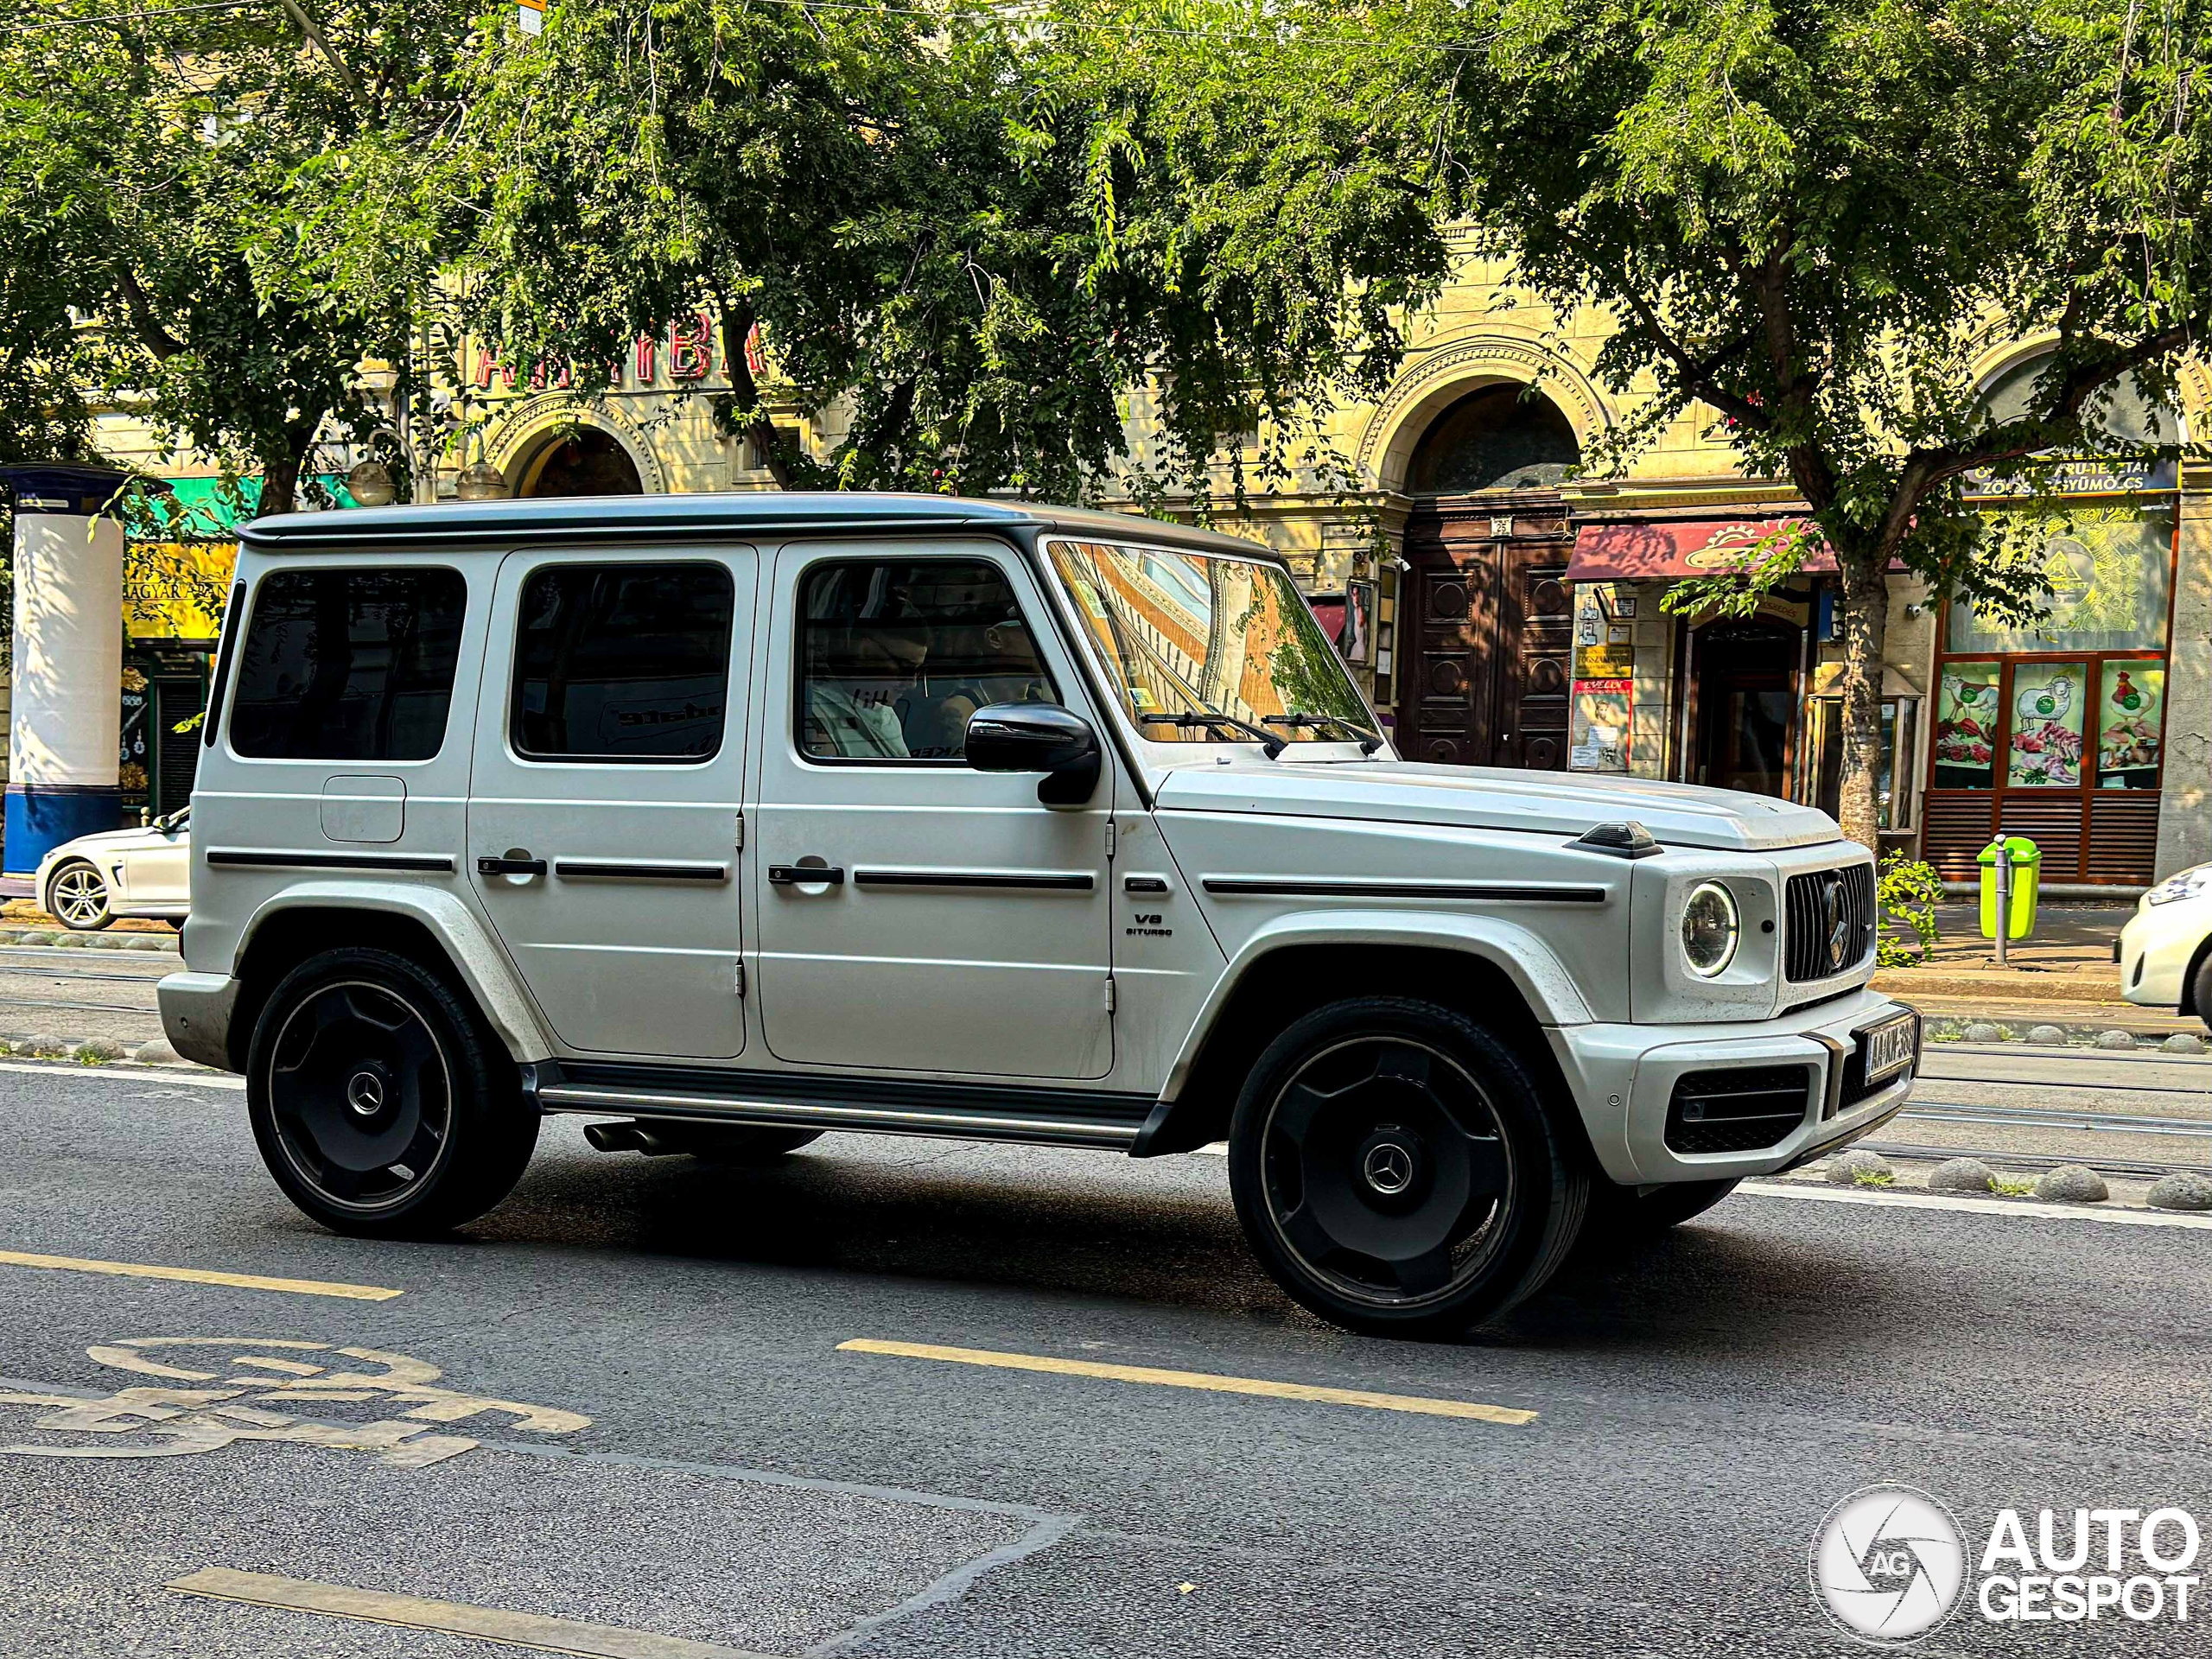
[1740, 1109]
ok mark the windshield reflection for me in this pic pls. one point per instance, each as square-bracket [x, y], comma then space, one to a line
[1190, 634]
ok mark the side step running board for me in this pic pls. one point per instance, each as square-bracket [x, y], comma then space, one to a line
[982, 1112]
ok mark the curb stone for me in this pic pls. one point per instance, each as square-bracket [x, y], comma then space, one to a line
[2115, 1039]
[1845, 1170]
[2182, 1192]
[1962, 1175]
[2072, 1184]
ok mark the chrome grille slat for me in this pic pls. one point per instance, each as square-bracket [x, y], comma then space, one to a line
[1805, 943]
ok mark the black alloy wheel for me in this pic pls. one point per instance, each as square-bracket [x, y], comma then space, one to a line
[380, 1102]
[1395, 1168]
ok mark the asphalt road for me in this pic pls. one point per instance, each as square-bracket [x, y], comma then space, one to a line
[655, 1427]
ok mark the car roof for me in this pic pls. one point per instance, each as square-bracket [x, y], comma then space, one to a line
[496, 525]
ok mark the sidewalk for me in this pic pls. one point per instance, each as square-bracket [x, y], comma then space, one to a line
[2062, 976]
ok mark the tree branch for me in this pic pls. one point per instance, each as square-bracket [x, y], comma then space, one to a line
[156, 339]
[322, 43]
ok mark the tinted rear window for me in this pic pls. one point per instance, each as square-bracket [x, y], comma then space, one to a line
[623, 662]
[349, 664]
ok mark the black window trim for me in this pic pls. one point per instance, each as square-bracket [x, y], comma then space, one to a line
[224, 661]
[884, 762]
[563, 561]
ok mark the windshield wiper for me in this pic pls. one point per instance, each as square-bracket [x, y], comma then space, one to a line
[1369, 741]
[1267, 740]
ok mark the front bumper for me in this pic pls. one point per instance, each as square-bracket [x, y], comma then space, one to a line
[1623, 1080]
[196, 1015]
[2157, 949]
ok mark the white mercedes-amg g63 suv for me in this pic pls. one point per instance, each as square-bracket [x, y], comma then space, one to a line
[729, 820]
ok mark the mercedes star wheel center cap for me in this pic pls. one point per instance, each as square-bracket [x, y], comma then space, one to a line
[1389, 1168]
[364, 1093]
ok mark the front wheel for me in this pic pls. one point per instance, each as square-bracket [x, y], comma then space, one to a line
[77, 897]
[1395, 1169]
[2201, 991]
[380, 1104]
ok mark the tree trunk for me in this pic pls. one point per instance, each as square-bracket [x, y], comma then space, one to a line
[1865, 621]
[759, 431]
[280, 485]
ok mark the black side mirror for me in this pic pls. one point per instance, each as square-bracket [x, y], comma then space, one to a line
[1037, 737]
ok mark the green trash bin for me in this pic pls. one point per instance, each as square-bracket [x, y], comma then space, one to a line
[2026, 859]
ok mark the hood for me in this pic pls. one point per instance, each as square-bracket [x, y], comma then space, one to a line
[102, 841]
[1492, 797]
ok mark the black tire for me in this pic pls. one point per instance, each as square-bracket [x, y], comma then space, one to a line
[734, 1143]
[77, 896]
[381, 1103]
[2200, 990]
[1620, 1212]
[1396, 1170]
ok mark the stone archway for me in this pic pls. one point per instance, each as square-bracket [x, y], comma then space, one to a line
[1484, 616]
[587, 461]
[529, 436]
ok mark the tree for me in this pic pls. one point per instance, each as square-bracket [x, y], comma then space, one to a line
[1804, 217]
[979, 237]
[182, 148]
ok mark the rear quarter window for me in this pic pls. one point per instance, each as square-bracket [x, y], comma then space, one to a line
[349, 664]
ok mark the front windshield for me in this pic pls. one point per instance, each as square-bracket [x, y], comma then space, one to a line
[1192, 633]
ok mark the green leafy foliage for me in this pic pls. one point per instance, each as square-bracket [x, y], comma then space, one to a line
[1906, 892]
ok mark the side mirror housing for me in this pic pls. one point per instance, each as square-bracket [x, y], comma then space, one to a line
[1037, 737]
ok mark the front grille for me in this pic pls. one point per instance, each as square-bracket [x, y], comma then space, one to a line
[1740, 1109]
[1806, 943]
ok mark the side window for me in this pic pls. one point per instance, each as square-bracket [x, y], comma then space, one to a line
[349, 664]
[895, 654]
[622, 662]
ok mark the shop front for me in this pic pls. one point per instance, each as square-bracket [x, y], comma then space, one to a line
[2057, 730]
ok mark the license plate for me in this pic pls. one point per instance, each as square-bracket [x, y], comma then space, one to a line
[1889, 1047]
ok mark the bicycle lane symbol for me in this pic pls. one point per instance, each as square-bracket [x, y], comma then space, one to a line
[162, 1420]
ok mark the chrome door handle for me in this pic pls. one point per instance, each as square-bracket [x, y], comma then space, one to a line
[511, 866]
[794, 875]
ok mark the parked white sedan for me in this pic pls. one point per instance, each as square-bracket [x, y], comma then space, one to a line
[2165, 949]
[87, 883]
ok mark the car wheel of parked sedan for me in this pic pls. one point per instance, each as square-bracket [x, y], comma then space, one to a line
[380, 1102]
[2200, 990]
[1619, 1211]
[1396, 1170]
[76, 896]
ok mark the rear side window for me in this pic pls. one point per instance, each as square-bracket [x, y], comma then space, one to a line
[349, 664]
[623, 662]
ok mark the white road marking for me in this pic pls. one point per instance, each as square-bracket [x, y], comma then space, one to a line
[2115, 1218]
[538, 1631]
[124, 1068]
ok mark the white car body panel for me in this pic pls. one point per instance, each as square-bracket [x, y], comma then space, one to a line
[2161, 943]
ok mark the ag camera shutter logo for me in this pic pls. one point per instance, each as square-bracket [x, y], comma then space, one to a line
[1887, 1565]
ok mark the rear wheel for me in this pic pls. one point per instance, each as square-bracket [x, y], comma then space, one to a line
[2202, 991]
[77, 897]
[380, 1104]
[1395, 1169]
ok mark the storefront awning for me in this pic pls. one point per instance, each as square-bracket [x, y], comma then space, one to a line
[1660, 548]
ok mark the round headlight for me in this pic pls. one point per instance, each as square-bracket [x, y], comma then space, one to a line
[1709, 930]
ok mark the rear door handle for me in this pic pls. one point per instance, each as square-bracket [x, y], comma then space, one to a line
[794, 875]
[510, 867]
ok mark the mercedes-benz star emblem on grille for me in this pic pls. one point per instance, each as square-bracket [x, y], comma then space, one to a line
[1834, 912]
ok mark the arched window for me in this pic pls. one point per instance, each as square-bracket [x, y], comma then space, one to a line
[587, 461]
[1507, 437]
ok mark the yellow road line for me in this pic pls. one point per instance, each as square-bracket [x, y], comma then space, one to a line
[200, 1277]
[537, 1631]
[1208, 1380]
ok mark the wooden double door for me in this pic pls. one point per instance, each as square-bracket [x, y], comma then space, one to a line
[1486, 636]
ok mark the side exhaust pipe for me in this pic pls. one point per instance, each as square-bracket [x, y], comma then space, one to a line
[653, 1141]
